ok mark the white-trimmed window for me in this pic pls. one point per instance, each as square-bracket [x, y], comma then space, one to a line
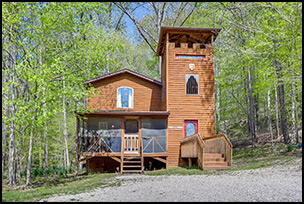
[191, 84]
[103, 125]
[124, 97]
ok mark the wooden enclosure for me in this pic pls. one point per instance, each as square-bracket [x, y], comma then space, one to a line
[167, 121]
[212, 153]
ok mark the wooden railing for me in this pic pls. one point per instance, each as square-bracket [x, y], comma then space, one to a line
[131, 143]
[98, 143]
[192, 147]
[153, 140]
[195, 146]
[219, 144]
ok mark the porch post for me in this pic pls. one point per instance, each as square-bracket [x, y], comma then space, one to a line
[122, 143]
[140, 143]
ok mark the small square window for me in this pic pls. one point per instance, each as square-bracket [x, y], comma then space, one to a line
[103, 125]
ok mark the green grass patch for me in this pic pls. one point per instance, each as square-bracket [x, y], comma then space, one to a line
[52, 186]
[244, 159]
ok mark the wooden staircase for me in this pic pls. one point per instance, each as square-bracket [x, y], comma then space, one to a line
[132, 164]
[212, 153]
[215, 162]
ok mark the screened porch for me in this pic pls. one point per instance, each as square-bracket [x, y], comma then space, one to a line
[104, 134]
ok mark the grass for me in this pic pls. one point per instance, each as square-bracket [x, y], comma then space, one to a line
[50, 186]
[246, 158]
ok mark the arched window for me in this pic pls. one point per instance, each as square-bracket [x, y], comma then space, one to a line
[190, 127]
[191, 84]
[124, 97]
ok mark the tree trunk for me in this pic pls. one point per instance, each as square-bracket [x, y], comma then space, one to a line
[283, 114]
[46, 152]
[269, 115]
[12, 147]
[77, 145]
[277, 112]
[39, 153]
[18, 160]
[251, 111]
[217, 96]
[29, 160]
[282, 103]
[11, 173]
[65, 132]
[295, 134]
[5, 136]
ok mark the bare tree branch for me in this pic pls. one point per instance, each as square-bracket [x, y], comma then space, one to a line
[139, 28]
[189, 14]
[181, 8]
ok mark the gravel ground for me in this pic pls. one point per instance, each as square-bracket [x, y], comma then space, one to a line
[264, 184]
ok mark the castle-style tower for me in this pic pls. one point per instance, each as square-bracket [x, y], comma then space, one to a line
[187, 72]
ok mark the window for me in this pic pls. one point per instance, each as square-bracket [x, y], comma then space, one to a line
[103, 125]
[177, 56]
[124, 97]
[190, 127]
[191, 84]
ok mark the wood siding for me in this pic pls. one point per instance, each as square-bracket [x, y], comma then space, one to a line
[163, 81]
[147, 95]
[182, 107]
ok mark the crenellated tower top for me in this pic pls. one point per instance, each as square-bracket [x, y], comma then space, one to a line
[194, 37]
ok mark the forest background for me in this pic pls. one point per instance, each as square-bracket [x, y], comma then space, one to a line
[49, 49]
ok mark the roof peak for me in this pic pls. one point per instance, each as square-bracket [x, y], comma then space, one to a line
[121, 72]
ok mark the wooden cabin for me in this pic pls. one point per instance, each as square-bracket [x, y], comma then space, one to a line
[137, 123]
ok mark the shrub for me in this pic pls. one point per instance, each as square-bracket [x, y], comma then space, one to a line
[290, 147]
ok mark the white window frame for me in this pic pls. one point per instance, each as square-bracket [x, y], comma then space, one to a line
[131, 102]
[100, 124]
[186, 80]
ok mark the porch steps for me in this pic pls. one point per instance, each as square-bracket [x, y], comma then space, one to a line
[131, 164]
[215, 162]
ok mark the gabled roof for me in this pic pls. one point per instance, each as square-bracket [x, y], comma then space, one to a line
[123, 72]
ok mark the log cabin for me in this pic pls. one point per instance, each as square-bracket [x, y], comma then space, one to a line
[136, 123]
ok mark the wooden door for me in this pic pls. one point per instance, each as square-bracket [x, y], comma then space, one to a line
[190, 127]
[131, 136]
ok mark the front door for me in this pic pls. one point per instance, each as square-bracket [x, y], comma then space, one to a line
[190, 127]
[131, 136]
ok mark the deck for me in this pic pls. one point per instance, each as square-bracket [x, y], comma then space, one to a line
[212, 153]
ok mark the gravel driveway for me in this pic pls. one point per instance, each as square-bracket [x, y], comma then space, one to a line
[264, 184]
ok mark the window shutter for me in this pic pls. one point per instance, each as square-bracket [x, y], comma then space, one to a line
[130, 98]
[119, 98]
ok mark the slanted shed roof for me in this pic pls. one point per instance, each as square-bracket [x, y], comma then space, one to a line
[123, 72]
[125, 113]
[193, 35]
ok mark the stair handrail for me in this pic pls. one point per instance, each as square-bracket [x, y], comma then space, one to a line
[220, 135]
[227, 151]
[200, 142]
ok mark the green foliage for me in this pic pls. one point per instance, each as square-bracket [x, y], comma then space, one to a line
[51, 186]
[290, 147]
[254, 35]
